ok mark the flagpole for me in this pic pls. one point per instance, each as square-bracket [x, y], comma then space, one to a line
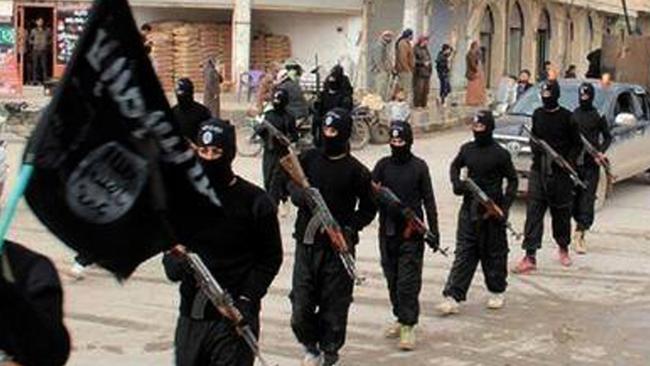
[12, 202]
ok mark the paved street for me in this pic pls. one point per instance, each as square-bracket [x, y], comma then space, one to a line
[596, 313]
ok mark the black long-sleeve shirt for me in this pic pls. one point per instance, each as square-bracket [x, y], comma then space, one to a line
[242, 249]
[283, 122]
[411, 182]
[488, 165]
[189, 117]
[31, 310]
[345, 186]
[592, 126]
[559, 131]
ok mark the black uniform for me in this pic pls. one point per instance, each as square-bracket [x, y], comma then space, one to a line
[321, 288]
[188, 113]
[549, 186]
[243, 251]
[401, 258]
[481, 239]
[337, 93]
[593, 127]
[274, 177]
[31, 309]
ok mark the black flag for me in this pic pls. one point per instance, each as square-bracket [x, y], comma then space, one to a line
[113, 178]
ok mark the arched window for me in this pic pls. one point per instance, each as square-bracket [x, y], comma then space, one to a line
[543, 40]
[515, 38]
[486, 35]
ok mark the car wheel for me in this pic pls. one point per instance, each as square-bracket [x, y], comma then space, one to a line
[249, 144]
[379, 133]
[601, 191]
[360, 134]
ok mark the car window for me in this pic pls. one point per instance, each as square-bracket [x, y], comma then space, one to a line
[531, 100]
[625, 104]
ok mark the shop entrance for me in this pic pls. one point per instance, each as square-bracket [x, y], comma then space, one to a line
[35, 30]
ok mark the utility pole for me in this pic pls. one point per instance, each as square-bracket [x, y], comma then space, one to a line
[627, 17]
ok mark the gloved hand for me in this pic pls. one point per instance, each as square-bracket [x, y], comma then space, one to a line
[433, 240]
[247, 309]
[460, 188]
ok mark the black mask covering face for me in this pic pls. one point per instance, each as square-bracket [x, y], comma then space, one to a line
[184, 92]
[550, 92]
[586, 95]
[218, 133]
[401, 130]
[484, 137]
[339, 119]
[280, 100]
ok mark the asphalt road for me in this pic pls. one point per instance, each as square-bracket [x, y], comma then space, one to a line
[595, 313]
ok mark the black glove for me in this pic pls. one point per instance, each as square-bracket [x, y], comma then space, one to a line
[248, 310]
[460, 189]
[351, 235]
[433, 240]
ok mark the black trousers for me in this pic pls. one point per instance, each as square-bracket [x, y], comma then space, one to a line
[274, 177]
[401, 262]
[583, 201]
[483, 241]
[39, 63]
[211, 343]
[445, 87]
[321, 295]
[554, 193]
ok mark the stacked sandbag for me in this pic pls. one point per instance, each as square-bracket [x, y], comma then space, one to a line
[188, 56]
[162, 52]
[215, 40]
[258, 52]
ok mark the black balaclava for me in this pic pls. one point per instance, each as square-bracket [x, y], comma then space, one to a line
[551, 89]
[218, 133]
[339, 119]
[401, 129]
[586, 91]
[334, 79]
[485, 118]
[184, 92]
[280, 100]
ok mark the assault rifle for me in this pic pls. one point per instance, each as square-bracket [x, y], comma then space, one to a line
[388, 198]
[557, 158]
[263, 124]
[490, 206]
[221, 299]
[604, 162]
[321, 216]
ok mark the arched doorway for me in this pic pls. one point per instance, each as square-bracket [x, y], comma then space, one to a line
[485, 37]
[515, 38]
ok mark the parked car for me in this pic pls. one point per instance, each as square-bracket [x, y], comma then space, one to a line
[627, 110]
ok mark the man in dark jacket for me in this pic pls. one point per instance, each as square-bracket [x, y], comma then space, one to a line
[274, 178]
[523, 83]
[242, 250]
[321, 291]
[401, 257]
[337, 93]
[481, 237]
[187, 112]
[422, 73]
[31, 310]
[594, 128]
[550, 186]
[289, 81]
[443, 68]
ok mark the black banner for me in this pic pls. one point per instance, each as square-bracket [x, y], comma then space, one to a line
[113, 178]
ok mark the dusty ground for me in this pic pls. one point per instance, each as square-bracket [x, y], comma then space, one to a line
[596, 313]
